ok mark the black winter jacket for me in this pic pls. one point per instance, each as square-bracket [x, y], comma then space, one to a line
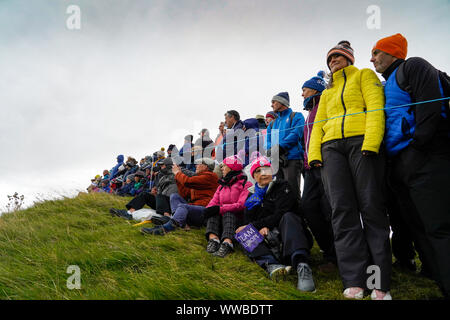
[279, 199]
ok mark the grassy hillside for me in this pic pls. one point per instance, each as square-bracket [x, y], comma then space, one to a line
[117, 262]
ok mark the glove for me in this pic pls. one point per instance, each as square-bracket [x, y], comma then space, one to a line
[368, 153]
[211, 212]
[315, 164]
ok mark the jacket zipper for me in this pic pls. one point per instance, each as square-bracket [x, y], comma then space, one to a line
[343, 104]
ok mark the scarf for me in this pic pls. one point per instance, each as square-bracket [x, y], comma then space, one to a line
[309, 102]
[225, 181]
[257, 198]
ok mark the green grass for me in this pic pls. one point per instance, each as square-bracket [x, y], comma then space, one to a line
[117, 262]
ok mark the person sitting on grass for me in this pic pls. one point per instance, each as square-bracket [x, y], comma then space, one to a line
[270, 208]
[158, 197]
[139, 182]
[125, 190]
[225, 210]
[200, 189]
[105, 186]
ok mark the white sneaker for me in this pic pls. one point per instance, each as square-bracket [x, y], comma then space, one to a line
[354, 293]
[380, 295]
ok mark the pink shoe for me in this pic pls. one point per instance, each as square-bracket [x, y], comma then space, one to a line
[354, 293]
[380, 295]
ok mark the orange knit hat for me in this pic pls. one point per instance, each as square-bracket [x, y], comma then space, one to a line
[395, 45]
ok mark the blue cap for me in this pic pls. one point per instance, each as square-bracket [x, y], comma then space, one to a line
[316, 83]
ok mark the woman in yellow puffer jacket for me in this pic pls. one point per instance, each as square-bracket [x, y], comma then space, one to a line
[345, 142]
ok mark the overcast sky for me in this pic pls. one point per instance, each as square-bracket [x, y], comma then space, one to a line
[139, 75]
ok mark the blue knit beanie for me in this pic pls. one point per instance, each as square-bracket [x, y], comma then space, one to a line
[283, 98]
[316, 83]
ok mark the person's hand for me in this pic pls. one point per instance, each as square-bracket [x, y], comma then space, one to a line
[368, 153]
[240, 229]
[175, 169]
[316, 164]
[264, 231]
[211, 212]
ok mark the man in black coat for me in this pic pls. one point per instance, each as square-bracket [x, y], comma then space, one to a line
[417, 139]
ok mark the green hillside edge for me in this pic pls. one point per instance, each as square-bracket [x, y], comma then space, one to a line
[117, 262]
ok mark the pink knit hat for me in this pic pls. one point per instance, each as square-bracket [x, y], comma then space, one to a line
[234, 163]
[259, 162]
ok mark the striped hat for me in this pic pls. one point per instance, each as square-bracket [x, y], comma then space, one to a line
[343, 48]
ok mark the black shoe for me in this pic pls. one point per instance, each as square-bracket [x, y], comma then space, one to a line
[224, 249]
[213, 246]
[160, 220]
[121, 213]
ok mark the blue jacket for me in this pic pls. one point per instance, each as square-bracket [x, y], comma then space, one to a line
[290, 135]
[115, 169]
[126, 189]
[424, 127]
[130, 171]
[400, 123]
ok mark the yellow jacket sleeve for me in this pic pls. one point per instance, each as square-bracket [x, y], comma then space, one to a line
[315, 144]
[373, 94]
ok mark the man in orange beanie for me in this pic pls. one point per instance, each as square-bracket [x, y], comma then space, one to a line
[417, 140]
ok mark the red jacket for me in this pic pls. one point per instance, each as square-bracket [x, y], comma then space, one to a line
[201, 187]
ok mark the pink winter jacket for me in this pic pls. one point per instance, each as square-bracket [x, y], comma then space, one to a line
[231, 198]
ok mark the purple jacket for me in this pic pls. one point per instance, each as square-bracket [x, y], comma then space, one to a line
[307, 129]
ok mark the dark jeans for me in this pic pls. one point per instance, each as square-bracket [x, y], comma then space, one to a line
[295, 239]
[426, 176]
[184, 213]
[354, 185]
[317, 212]
[159, 202]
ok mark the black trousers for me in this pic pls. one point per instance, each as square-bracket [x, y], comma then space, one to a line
[354, 186]
[317, 212]
[407, 225]
[159, 202]
[294, 237]
[402, 239]
[292, 173]
[427, 179]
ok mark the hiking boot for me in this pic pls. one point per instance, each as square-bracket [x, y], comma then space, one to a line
[380, 295]
[159, 231]
[354, 293]
[276, 271]
[121, 213]
[213, 245]
[160, 220]
[224, 249]
[305, 278]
